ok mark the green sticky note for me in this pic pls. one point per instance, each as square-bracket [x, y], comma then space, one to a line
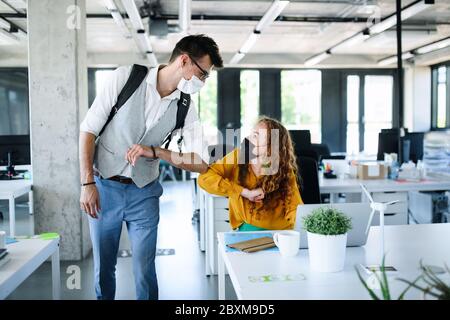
[49, 236]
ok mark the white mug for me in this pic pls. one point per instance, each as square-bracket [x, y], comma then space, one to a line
[2, 239]
[288, 242]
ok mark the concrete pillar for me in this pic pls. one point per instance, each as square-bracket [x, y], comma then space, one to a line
[58, 101]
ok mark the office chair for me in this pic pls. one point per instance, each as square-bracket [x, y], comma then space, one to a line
[309, 180]
[321, 149]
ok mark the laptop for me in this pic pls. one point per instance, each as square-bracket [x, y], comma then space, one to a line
[358, 212]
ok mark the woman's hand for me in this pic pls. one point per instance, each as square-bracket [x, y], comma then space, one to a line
[138, 150]
[255, 195]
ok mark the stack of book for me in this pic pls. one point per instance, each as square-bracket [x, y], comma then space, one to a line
[3, 257]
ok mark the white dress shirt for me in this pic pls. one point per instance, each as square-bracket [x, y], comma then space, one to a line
[155, 106]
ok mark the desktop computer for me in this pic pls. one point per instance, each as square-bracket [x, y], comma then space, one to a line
[14, 150]
[411, 144]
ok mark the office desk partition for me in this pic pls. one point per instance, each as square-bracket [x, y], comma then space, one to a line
[406, 245]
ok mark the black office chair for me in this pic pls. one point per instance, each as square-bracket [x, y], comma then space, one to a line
[309, 180]
[321, 149]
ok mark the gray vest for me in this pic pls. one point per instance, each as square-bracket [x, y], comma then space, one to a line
[128, 128]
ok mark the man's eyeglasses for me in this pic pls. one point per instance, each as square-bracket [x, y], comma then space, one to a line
[205, 74]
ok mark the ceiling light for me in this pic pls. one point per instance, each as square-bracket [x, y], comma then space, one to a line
[133, 14]
[9, 37]
[144, 41]
[5, 24]
[393, 59]
[433, 46]
[237, 57]
[248, 44]
[271, 14]
[151, 58]
[118, 19]
[110, 5]
[317, 58]
[405, 14]
[359, 37]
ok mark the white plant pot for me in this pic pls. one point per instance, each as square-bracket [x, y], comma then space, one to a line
[326, 253]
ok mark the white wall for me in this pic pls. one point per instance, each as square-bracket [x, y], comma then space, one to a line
[417, 116]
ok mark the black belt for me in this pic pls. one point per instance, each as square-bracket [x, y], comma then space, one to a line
[124, 180]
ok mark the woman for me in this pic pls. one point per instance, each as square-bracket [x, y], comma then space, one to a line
[261, 195]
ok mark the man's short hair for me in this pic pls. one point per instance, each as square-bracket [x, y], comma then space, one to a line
[197, 46]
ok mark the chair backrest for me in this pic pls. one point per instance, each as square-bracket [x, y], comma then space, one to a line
[301, 139]
[321, 149]
[218, 151]
[309, 182]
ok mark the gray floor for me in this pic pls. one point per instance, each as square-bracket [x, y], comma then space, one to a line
[181, 276]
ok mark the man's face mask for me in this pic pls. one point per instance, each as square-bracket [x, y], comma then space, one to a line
[190, 86]
[246, 151]
[194, 84]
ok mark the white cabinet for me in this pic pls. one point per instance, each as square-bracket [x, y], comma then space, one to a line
[216, 219]
[395, 214]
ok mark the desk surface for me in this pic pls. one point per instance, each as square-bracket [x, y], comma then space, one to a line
[406, 245]
[383, 185]
[25, 257]
[14, 188]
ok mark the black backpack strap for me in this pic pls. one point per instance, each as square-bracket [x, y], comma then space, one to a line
[137, 75]
[183, 107]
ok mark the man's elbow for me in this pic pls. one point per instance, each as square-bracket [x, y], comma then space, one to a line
[203, 168]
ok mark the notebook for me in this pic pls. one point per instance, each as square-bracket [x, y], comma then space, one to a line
[253, 245]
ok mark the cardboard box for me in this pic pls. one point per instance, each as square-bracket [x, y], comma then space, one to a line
[374, 170]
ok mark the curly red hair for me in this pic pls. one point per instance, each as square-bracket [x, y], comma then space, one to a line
[275, 186]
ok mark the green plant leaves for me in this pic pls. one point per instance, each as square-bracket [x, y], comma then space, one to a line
[327, 221]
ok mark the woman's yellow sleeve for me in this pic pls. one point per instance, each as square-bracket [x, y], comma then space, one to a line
[219, 177]
[294, 200]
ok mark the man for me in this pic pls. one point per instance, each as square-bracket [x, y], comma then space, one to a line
[119, 169]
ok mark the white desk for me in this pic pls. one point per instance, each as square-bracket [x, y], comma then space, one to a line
[405, 246]
[335, 186]
[214, 214]
[12, 189]
[26, 256]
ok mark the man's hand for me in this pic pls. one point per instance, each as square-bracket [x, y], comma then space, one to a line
[136, 151]
[90, 200]
[255, 195]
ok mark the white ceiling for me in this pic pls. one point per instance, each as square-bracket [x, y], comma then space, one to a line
[280, 42]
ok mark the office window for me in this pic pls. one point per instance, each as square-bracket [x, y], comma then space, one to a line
[442, 97]
[206, 104]
[14, 109]
[301, 101]
[378, 109]
[353, 115]
[249, 100]
[100, 77]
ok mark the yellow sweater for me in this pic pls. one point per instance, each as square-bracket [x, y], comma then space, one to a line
[222, 179]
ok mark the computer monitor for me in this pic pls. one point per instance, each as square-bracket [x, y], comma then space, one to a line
[415, 145]
[18, 147]
[387, 143]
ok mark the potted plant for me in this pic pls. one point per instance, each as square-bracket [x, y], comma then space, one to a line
[327, 230]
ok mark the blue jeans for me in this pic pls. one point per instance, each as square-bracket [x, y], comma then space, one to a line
[139, 208]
